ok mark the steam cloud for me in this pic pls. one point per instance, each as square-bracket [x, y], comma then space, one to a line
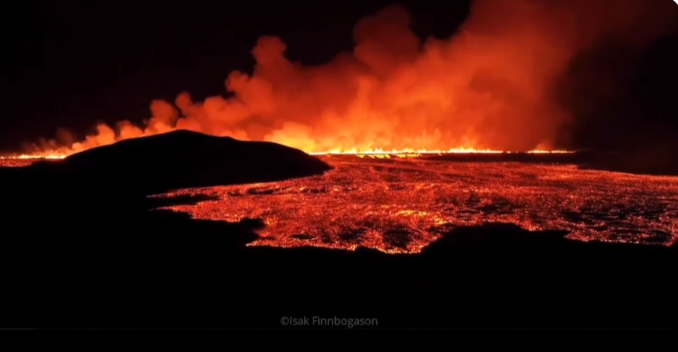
[491, 85]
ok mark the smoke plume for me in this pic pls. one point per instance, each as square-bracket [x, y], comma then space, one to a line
[489, 86]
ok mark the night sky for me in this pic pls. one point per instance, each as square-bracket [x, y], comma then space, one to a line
[72, 64]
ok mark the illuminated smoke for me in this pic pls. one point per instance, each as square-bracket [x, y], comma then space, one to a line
[491, 85]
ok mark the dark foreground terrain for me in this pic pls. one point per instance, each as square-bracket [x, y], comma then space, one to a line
[105, 261]
[163, 270]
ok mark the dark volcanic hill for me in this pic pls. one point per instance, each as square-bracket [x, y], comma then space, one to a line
[160, 163]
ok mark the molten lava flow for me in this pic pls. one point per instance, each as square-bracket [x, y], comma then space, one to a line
[411, 153]
[35, 156]
[402, 205]
[26, 159]
[491, 86]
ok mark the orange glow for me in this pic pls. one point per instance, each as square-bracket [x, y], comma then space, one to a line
[420, 152]
[488, 87]
[403, 153]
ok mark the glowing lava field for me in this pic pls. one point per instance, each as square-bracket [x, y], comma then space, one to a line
[399, 205]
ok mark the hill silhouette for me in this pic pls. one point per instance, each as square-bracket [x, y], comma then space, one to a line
[138, 167]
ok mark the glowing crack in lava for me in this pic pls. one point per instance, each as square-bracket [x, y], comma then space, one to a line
[401, 205]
